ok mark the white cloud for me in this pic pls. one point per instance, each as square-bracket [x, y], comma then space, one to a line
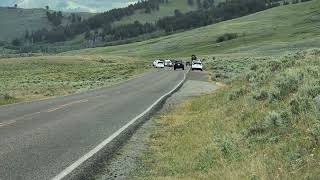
[70, 5]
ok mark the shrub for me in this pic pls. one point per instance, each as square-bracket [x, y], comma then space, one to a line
[227, 37]
[274, 94]
[274, 65]
[311, 90]
[6, 97]
[260, 95]
[315, 133]
[273, 119]
[237, 93]
[300, 105]
[288, 83]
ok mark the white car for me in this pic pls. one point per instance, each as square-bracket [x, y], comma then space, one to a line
[196, 65]
[168, 63]
[155, 62]
[159, 64]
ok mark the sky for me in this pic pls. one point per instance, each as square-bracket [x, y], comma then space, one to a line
[70, 5]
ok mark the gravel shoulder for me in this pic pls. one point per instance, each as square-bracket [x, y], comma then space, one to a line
[128, 160]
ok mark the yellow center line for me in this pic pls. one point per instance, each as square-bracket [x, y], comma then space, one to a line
[66, 105]
[6, 123]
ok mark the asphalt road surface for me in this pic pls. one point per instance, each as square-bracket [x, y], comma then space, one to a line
[40, 139]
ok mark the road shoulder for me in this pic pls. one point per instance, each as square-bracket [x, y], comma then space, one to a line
[129, 159]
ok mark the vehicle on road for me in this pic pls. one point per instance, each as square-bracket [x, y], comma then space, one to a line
[178, 65]
[197, 65]
[159, 64]
[155, 62]
[168, 63]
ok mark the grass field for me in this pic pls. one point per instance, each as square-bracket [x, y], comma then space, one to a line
[23, 79]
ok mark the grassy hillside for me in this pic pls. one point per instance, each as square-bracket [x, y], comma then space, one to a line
[264, 125]
[271, 32]
[164, 10]
[15, 22]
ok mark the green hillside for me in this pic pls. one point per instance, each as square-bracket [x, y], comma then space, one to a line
[271, 32]
[15, 22]
[164, 10]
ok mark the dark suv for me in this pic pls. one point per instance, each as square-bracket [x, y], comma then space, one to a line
[178, 65]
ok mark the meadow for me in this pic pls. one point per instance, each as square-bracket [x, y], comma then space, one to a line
[29, 78]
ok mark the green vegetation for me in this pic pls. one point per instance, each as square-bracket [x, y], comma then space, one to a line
[164, 10]
[263, 125]
[265, 33]
[15, 23]
[30, 78]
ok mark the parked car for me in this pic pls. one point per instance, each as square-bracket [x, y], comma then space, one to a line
[178, 65]
[197, 65]
[155, 62]
[159, 64]
[168, 63]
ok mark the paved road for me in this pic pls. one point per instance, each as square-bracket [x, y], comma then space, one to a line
[40, 139]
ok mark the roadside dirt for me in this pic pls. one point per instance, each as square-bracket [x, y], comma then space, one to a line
[128, 160]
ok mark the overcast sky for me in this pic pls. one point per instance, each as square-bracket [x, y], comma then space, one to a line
[70, 5]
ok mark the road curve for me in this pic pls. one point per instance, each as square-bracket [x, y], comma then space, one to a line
[40, 139]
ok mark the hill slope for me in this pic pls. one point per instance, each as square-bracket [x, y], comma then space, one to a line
[164, 10]
[15, 22]
[274, 31]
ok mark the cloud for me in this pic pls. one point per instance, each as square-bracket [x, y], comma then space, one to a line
[70, 5]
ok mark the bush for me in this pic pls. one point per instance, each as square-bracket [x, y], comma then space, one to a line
[274, 94]
[300, 105]
[288, 83]
[273, 119]
[237, 93]
[227, 37]
[16, 42]
[260, 95]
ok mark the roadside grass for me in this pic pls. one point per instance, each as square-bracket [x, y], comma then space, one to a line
[263, 125]
[46, 76]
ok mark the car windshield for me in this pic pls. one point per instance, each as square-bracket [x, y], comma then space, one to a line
[160, 62]
[197, 63]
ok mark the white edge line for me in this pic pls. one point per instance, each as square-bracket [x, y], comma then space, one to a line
[87, 156]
